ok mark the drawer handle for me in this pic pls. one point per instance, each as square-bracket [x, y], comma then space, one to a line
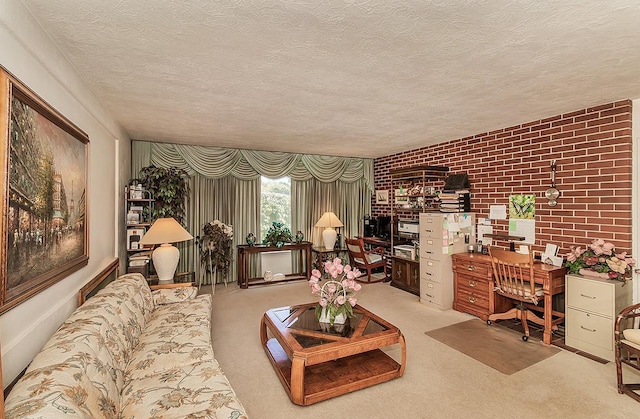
[428, 273]
[588, 296]
[587, 329]
[472, 283]
[428, 295]
[471, 268]
[472, 300]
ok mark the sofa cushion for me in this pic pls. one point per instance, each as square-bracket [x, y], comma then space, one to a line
[178, 334]
[174, 295]
[198, 390]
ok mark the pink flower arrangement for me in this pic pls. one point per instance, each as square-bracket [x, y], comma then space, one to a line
[337, 294]
[599, 259]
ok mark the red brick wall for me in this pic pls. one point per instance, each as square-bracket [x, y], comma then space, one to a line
[592, 148]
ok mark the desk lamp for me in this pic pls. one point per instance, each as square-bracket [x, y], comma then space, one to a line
[329, 235]
[165, 231]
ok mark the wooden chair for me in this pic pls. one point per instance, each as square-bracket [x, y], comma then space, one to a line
[513, 276]
[627, 346]
[366, 260]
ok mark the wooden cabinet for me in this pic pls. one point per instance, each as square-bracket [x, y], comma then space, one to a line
[441, 235]
[405, 274]
[592, 306]
[473, 284]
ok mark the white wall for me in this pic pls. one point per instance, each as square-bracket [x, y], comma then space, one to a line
[28, 53]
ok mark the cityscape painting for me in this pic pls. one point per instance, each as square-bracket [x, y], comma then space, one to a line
[44, 225]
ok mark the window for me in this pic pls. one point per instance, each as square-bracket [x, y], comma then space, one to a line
[275, 203]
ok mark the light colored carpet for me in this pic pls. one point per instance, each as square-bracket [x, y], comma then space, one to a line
[498, 347]
[439, 382]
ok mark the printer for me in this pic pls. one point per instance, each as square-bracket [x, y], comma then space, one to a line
[409, 229]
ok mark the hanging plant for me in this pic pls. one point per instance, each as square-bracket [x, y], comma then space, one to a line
[170, 189]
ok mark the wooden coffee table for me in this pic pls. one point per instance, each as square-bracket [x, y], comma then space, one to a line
[315, 361]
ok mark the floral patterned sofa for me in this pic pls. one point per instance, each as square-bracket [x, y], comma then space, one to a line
[129, 353]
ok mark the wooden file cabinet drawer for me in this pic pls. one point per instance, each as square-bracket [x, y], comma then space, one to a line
[480, 270]
[472, 284]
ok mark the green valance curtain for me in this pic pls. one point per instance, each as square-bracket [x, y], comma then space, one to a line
[217, 162]
[225, 185]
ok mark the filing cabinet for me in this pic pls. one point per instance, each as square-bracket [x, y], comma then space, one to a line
[441, 235]
[592, 305]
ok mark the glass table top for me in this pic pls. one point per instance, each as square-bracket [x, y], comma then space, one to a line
[308, 321]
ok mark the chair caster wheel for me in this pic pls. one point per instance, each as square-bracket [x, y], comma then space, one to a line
[489, 322]
[525, 338]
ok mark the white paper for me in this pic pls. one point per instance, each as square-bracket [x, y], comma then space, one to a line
[522, 227]
[498, 212]
[465, 221]
[551, 249]
[482, 230]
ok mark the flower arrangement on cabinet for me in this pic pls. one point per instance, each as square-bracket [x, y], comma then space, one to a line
[216, 246]
[337, 295]
[599, 259]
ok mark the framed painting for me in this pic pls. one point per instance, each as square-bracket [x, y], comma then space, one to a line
[382, 197]
[44, 228]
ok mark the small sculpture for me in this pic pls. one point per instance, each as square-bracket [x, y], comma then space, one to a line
[251, 239]
[299, 236]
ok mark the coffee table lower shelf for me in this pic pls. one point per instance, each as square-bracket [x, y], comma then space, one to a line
[333, 378]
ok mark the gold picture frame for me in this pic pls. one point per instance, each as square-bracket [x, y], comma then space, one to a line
[44, 228]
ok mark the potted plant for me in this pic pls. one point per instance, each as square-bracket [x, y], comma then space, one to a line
[277, 235]
[169, 188]
[216, 247]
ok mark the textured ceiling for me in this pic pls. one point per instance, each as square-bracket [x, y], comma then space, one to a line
[363, 78]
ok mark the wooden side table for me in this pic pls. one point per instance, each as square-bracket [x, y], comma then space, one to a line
[244, 251]
[321, 254]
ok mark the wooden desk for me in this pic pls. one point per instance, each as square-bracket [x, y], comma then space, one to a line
[244, 250]
[375, 241]
[473, 289]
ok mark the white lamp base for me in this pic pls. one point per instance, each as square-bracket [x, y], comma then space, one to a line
[329, 237]
[165, 260]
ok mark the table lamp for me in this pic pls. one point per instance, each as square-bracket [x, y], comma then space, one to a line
[329, 235]
[165, 231]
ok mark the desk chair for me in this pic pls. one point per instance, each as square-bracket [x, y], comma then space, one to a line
[366, 260]
[513, 276]
[627, 341]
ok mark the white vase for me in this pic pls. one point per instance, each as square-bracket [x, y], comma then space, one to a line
[325, 317]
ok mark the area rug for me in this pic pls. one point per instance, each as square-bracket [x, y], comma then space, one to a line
[498, 347]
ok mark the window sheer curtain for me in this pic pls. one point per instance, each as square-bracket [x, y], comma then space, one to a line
[225, 185]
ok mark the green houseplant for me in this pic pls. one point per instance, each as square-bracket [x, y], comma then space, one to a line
[277, 235]
[169, 188]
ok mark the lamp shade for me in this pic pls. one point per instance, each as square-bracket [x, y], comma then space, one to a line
[329, 219]
[165, 230]
[329, 235]
[165, 258]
